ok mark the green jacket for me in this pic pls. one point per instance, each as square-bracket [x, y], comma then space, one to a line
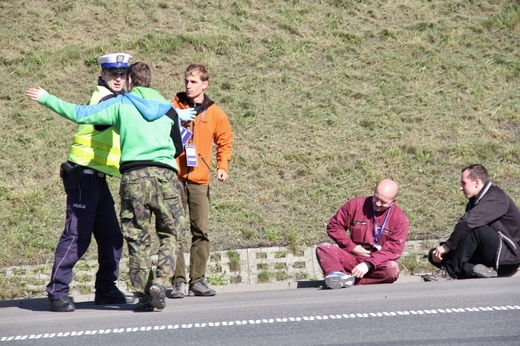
[137, 117]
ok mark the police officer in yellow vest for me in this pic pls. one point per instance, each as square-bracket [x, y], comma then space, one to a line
[93, 155]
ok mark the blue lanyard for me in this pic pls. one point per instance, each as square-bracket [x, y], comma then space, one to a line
[377, 235]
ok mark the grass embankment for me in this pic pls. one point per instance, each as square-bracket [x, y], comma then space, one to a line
[325, 98]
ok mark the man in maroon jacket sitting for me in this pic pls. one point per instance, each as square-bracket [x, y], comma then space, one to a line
[370, 233]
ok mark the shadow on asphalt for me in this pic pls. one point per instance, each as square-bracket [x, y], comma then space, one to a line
[83, 306]
[310, 284]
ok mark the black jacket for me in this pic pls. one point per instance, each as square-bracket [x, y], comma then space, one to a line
[492, 207]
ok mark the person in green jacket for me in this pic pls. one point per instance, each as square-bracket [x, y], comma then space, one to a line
[150, 143]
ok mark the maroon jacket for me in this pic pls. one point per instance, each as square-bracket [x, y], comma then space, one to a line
[353, 225]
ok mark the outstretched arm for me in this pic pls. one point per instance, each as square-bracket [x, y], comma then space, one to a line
[105, 113]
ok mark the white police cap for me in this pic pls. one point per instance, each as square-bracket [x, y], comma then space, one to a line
[116, 62]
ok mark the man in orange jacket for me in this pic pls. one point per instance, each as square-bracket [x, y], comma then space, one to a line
[211, 125]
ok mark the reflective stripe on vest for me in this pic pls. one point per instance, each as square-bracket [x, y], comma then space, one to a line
[96, 149]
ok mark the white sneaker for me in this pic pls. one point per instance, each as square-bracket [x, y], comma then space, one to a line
[337, 280]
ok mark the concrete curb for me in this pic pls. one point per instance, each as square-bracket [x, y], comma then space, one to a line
[232, 288]
[227, 271]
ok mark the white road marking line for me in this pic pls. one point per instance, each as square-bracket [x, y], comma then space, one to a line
[257, 321]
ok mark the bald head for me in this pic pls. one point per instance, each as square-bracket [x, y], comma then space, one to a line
[385, 194]
[387, 188]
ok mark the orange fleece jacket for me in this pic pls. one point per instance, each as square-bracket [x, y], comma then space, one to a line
[210, 126]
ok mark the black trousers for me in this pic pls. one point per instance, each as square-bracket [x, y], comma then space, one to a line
[479, 247]
[90, 211]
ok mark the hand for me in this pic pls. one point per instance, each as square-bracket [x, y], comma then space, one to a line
[34, 94]
[222, 175]
[188, 114]
[360, 270]
[361, 251]
[438, 253]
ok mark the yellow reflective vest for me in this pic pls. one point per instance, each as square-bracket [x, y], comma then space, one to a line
[95, 149]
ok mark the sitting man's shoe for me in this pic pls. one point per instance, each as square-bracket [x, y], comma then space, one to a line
[63, 304]
[429, 277]
[158, 293]
[337, 280]
[481, 271]
[144, 305]
[200, 288]
[178, 290]
[114, 296]
[438, 275]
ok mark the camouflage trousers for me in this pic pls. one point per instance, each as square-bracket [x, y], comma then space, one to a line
[147, 192]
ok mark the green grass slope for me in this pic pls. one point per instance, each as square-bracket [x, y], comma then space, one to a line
[325, 98]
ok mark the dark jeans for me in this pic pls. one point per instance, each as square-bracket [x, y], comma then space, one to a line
[479, 247]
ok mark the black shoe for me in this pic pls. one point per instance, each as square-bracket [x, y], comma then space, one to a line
[481, 271]
[63, 304]
[200, 288]
[428, 277]
[114, 296]
[144, 305]
[158, 293]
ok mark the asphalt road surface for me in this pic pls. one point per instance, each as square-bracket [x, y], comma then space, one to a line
[464, 312]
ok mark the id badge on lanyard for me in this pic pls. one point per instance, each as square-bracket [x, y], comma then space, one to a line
[378, 231]
[191, 155]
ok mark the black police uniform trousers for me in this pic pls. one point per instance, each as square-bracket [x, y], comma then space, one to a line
[90, 211]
